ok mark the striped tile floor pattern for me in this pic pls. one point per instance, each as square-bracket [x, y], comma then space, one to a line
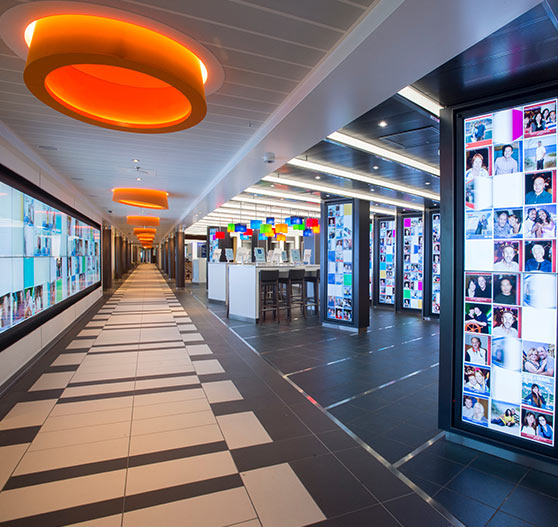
[120, 431]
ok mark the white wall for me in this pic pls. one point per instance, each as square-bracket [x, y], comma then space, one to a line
[17, 156]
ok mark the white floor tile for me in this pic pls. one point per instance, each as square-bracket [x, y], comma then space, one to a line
[172, 422]
[198, 349]
[80, 344]
[211, 510]
[98, 405]
[32, 413]
[280, 498]
[221, 391]
[109, 521]
[179, 407]
[205, 367]
[52, 381]
[10, 456]
[69, 359]
[64, 422]
[192, 337]
[242, 429]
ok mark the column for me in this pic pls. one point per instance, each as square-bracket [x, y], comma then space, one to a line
[172, 256]
[179, 252]
[106, 257]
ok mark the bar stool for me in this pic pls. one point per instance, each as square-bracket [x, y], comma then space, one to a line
[293, 293]
[312, 277]
[269, 294]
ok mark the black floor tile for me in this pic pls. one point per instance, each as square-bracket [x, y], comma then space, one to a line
[337, 440]
[501, 519]
[482, 487]
[467, 510]
[376, 515]
[498, 467]
[433, 468]
[452, 451]
[541, 482]
[413, 511]
[532, 506]
[348, 494]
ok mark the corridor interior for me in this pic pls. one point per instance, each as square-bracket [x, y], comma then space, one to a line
[148, 413]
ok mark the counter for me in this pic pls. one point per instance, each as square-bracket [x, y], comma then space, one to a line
[217, 281]
[243, 288]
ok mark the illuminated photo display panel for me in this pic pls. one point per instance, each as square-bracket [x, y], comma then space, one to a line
[436, 262]
[46, 256]
[510, 289]
[386, 292]
[413, 243]
[340, 262]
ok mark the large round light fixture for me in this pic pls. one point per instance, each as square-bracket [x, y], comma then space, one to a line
[142, 230]
[141, 221]
[146, 198]
[114, 74]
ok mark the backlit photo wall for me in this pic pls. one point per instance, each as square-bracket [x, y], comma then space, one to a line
[510, 312]
[413, 244]
[386, 292]
[46, 256]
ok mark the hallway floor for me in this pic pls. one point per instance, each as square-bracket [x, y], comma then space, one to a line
[151, 411]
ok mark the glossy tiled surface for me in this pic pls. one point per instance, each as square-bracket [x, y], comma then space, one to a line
[382, 386]
[151, 412]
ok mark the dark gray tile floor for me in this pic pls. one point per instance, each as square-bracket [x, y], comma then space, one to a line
[383, 387]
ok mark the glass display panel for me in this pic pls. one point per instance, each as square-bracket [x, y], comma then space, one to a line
[340, 261]
[386, 293]
[413, 243]
[213, 244]
[46, 256]
[510, 296]
[436, 261]
[370, 262]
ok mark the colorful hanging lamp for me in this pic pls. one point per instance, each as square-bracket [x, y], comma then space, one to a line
[142, 221]
[255, 224]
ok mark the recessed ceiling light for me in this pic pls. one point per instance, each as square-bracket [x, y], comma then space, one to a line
[317, 177]
[135, 160]
[272, 185]
[382, 124]
[427, 183]
[138, 179]
[375, 167]
[372, 190]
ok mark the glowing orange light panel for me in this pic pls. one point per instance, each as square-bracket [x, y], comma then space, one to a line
[114, 74]
[139, 230]
[146, 198]
[140, 221]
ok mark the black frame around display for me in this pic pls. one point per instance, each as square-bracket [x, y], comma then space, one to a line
[376, 267]
[452, 248]
[12, 335]
[428, 262]
[399, 273]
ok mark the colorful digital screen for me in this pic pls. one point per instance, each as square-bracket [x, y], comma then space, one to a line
[371, 260]
[340, 261]
[46, 256]
[213, 244]
[386, 291]
[510, 290]
[436, 259]
[413, 243]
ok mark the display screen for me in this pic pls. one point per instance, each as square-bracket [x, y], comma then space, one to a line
[509, 316]
[386, 293]
[46, 256]
[213, 244]
[371, 260]
[413, 244]
[340, 261]
[436, 259]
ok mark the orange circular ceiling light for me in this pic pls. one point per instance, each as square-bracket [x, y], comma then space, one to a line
[140, 221]
[140, 230]
[114, 74]
[146, 198]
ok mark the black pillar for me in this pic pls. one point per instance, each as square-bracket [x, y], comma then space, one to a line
[179, 257]
[117, 259]
[172, 253]
[106, 251]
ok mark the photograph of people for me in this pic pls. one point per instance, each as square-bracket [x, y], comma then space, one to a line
[537, 125]
[477, 380]
[478, 416]
[507, 223]
[29, 304]
[544, 430]
[478, 129]
[529, 427]
[535, 398]
[5, 312]
[546, 362]
[536, 257]
[540, 184]
[544, 226]
[505, 163]
[479, 287]
[467, 409]
[540, 153]
[477, 318]
[505, 419]
[478, 184]
[506, 257]
[475, 353]
[505, 322]
[505, 289]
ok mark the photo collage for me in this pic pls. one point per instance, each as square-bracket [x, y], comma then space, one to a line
[45, 256]
[370, 262]
[436, 259]
[386, 293]
[340, 261]
[510, 298]
[413, 243]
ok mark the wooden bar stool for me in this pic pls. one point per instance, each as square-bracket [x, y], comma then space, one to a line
[312, 277]
[269, 294]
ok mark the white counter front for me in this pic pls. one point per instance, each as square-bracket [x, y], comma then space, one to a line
[217, 281]
[244, 287]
